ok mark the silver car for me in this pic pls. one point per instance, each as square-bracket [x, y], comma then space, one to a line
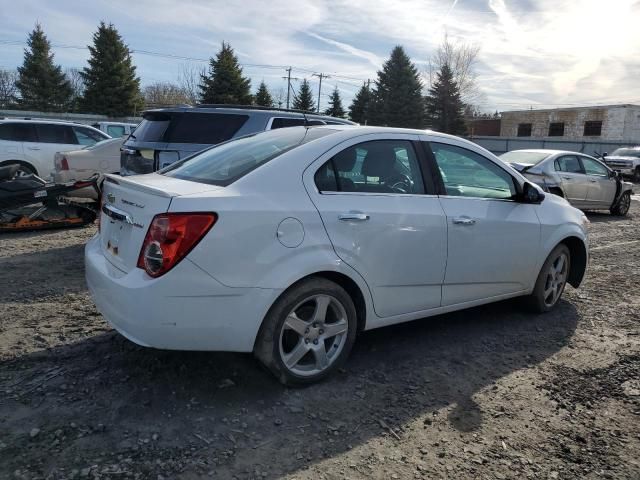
[585, 182]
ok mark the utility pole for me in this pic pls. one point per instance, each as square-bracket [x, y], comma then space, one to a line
[320, 76]
[288, 79]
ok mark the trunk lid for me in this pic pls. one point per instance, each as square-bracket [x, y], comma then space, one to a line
[129, 205]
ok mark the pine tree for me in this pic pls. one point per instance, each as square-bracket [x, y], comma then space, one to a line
[42, 85]
[398, 98]
[111, 85]
[335, 105]
[304, 100]
[262, 97]
[224, 83]
[445, 109]
[361, 105]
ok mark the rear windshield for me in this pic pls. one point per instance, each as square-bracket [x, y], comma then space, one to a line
[188, 127]
[224, 164]
[525, 158]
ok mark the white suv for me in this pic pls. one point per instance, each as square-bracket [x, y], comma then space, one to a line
[34, 143]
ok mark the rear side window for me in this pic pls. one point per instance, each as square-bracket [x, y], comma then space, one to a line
[152, 127]
[380, 166]
[569, 164]
[51, 133]
[224, 164]
[87, 136]
[18, 132]
[287, 122]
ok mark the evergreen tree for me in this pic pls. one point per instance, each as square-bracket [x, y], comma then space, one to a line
[335, 105]
[224, 83]
[445, 109]
[42, 85]
[398, 98]
[263, 98]
[361, 105]
[111, 85]
[304, 100]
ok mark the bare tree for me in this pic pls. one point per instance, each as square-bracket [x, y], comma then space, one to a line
[279, 97]
[189, 81]
[462, 59]
[77, 86]
[8, 88]
[164, 94]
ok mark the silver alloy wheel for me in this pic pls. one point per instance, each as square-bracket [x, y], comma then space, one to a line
[313, 335]
[625, 203]
[555, 279]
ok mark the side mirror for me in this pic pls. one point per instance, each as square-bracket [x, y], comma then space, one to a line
[531, 194]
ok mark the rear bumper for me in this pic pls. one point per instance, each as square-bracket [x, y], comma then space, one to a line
[186, 309]
[66, 176]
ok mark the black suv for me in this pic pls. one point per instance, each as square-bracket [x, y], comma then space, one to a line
[169, 134]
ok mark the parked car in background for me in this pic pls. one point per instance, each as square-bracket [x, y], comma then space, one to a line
[33, 143]
[626, 161]
[585, 182]
[102, 157]
[167, 135]
[116, 129]
[289, 242]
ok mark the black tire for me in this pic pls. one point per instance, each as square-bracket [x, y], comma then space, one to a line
[636, 175]
[270, 344]
[621, 208]
[538, 300]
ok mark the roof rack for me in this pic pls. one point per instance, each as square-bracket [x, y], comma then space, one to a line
[253, 107]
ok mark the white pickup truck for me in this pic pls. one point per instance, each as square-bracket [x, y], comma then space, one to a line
[626, 161]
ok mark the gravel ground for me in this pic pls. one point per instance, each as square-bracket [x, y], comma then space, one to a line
[490, 392]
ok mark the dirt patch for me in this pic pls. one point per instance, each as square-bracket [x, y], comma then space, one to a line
[490, 392]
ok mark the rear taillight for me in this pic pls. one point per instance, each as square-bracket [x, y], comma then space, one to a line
[63, 164]
[170, 237]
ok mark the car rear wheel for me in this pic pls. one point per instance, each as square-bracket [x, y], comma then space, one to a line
[551, 280]
[622, 207]
[308, 332]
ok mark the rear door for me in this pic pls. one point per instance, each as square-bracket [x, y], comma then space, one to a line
[52, 138]
[602, 187]
[382, 220]
[493, 241]
[573, 178]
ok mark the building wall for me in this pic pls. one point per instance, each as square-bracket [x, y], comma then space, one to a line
[618, 122]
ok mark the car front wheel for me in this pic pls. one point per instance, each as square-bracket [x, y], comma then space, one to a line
[622, 207]
[308, 332]
[551, 280]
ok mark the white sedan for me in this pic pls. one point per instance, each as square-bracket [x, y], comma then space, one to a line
[289, 242]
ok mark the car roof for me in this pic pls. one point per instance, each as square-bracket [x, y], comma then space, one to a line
[45, 120]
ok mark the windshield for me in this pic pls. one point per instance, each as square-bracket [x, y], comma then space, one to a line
[526, 158]
[227, 162]
[626, 152]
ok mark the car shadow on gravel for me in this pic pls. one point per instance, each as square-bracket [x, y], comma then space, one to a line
[103, 399]
[605, 217]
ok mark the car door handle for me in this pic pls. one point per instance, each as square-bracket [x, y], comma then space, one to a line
[33, 148]
[463, 221]
[593, 181]
[567, 178]
[353, 216]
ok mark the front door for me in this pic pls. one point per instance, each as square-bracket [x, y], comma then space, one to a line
[493, 240]
[382, 221]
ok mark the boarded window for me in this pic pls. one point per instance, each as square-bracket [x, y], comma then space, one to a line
[593, 128]
[524, 129]
[556, 129]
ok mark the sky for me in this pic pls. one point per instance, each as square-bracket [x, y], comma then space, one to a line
[533, 53]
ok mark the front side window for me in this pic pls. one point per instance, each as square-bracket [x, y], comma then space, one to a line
[379, 166]
[591, 167]
[468, 174]
[87, 136]
[226, 163]
[52, 133]
[568, 164]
